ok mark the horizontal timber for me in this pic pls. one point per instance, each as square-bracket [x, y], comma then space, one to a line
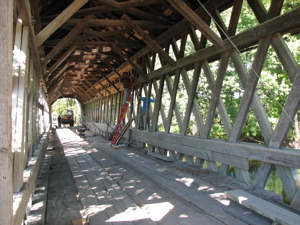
[204, 148]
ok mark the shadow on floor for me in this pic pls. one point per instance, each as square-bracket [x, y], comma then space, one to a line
[63, 205]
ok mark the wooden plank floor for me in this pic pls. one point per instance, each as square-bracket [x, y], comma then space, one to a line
[125, 187]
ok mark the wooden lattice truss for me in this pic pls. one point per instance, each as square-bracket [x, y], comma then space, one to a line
[87, 47]
[153, 82]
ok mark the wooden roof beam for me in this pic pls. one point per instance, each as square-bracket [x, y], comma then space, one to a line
[67, 40]
[130, 3]
[84, 92]
[137, 67]
[196, 20]
[60, 72]
[164, 37]
[56, 23]
[117, 23]
[148, 40]
[133, 11]
[105, 34]
[61, 60]
[78, 95]
[123, 44]
[112, 84]
[52, 90]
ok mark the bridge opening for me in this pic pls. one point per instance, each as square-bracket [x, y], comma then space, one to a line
[66, 111]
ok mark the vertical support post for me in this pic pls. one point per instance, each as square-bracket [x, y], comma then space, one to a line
[97, 110]
[120, 103]
[138, 108]
[18, 102]
[114, 109]
[147, 121]
[110, 97]
[50, 115]
[101, 110]
[6, 39]
[107, 109]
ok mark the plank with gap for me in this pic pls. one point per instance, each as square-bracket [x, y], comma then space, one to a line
[263, 207]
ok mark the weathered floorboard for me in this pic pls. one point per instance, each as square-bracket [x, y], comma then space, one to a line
[267, 209]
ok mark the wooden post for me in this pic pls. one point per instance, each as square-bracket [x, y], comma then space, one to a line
[18, 102]
[100, 110]
[59, 21]
[50, 115]
[6, 42]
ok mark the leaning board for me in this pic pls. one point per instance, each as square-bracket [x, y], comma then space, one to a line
[264, 208]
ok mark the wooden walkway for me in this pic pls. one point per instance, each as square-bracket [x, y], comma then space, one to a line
[126, 187]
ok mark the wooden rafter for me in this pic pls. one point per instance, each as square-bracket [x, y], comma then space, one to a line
[147, 39]
[67, 40]
[129, 4]
[61, 60]
[196, 20]
[117, 23]
[55, 24]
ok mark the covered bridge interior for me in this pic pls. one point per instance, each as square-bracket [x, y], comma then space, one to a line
[170, 49]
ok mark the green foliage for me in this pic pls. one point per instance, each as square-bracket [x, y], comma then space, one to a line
[63, 104]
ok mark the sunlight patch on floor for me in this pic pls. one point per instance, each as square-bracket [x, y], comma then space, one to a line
[94, 209]
[155, 212]
[186, 181]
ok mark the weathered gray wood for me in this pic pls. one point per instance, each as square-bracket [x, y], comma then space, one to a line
[196, 109]
[190, 102]
[138, 107]
[244, 75]
[176, 110]
[292, 69]
[22, 198]
[285, 56]
[18, 78]
[215, 95]
[162, 107]
[256, 105]
[167, 141]
[250, 88]
[221, 107]
[200, 199]
[59, 21]
[289, 110]
[6, 43]
[25, 13]
[148, 106]
[173, 94]
[196, 20]
[264, 208]
[235, 15]
[296, 200]
[161, 157]
[187, 84]
[282, 157]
